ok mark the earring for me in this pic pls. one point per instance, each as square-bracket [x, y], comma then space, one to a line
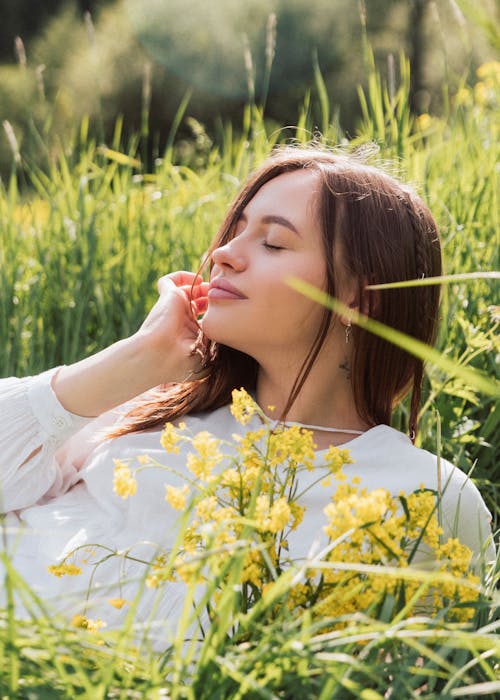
[348, 329]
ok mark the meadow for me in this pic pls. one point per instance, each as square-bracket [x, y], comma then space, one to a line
[84, 238]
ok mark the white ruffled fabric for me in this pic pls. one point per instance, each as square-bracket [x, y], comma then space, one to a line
[56, 483]
[33, 425]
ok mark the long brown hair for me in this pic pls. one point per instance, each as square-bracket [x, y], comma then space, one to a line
[382, 232]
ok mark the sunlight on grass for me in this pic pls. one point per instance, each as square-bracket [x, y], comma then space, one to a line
[82, 243]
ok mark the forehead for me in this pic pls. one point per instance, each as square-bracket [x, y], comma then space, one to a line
[294, 195]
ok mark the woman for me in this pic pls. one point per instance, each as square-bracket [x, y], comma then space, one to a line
[311, 214]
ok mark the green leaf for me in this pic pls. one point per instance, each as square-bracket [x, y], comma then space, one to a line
[442, 279]
[120, 158]
[424, 352]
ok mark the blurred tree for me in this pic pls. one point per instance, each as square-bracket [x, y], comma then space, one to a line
[417, 49]
[27, 18]
[23, 18]
[408, 22]
[221, 51]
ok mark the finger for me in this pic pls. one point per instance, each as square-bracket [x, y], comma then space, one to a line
[200, 305]
[200, 290]
[178, 279]
[182, 277]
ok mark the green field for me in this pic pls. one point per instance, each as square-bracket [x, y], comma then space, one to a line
[82, 243]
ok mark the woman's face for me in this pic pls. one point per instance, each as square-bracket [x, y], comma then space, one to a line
[250, 306]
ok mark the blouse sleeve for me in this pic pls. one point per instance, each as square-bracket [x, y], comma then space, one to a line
[33, 426]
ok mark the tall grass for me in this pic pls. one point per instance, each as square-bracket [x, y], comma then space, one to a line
[82, 243]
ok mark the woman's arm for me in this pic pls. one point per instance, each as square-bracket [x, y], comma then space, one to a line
[160, 352]
[40, 414]
[33, 425]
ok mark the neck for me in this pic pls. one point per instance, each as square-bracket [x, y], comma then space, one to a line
[325, 400]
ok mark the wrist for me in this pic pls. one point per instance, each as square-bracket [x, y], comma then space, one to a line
[107, 379]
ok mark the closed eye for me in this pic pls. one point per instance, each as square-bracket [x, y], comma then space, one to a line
[268, 246]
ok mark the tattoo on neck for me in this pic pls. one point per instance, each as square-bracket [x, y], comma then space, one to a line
[345, 367]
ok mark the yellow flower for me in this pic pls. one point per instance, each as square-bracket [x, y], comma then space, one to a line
[243, 406]
[117, 603]
[365, 527]
[299, 595]
[206, 445]
[483, 92]
[170, 438]
[455, 558]
[95, 625]
[188, 570]
[335, 458]
[79, 621]
[177, 497]
[153, 581]
[252, 569]
[463, 96]
[292, 445]
[64, 570]
[350, 509]
[490, 69]
[124, 483]
[231, 478]
[209, 455]
[424, 121]
[422, 510]
[297, 512]
[457, 554]
[272, 518]
[191, 539]
[87, 623]
[279, 516]
[205, 508]
[250, 450]
[261, 511]
[160, 574]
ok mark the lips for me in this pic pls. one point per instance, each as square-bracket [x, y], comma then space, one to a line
[221, 288]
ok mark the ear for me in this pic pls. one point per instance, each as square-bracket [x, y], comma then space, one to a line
[371, 299]
[364, 301]
[352, 296]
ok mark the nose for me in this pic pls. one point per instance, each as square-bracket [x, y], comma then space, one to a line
[230, 255]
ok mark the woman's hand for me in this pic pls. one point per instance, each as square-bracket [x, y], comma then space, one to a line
[161, 351]
[171, 329]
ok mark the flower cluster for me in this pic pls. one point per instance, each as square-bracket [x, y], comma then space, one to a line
[247, 500]
[374, 529]
[242, 406]
[485, 93]
[87, 623]
[124, 483]
[243, 500]
[247, 504]
[64, 569]
[482, 97]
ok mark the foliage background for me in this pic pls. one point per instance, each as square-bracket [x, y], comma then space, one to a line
[105, 58]
[95, 207]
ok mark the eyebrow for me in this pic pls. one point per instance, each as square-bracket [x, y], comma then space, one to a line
[275, 219]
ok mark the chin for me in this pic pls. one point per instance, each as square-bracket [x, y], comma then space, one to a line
[218, 334]
[207, 327]
[213, 332]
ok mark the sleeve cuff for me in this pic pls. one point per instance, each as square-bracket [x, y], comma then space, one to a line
[57, 423]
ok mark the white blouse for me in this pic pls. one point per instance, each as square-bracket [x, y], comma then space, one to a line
[56, 487]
